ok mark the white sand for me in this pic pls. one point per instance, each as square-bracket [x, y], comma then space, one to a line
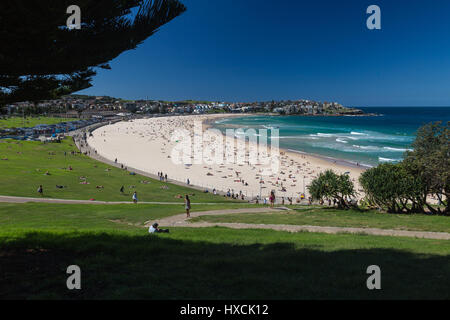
[146, 145]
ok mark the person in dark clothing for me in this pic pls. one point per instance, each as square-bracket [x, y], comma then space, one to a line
[155, 229]
[187, 203]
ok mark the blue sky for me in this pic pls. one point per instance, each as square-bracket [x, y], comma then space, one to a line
[258, 50]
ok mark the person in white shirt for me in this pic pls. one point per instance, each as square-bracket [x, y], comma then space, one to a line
[155, 229]
[152, 228]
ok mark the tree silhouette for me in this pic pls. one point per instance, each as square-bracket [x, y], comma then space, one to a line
[40, 58]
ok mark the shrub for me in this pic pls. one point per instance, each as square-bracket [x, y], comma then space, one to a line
[430, 161]
[393, 188]
[332, 186]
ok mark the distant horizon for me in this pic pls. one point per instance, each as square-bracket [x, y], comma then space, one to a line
[322, 50]
[212, 100]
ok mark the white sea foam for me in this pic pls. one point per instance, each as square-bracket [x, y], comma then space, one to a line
[341, 140]
[397, 149]
[358, 133]
[289, 137]
[323, 135]
[270, 127]
[372, 148]
[388, 160]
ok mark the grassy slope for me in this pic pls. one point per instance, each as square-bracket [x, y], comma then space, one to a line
[337, 218]
[28, 162]
[121, 261]
[18, 122]
[217, 263]
[46, 216]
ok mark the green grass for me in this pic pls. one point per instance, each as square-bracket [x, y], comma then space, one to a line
[28, 161]
[19, 122]
[338, 218]
[217, 263]
[74, 217]
[122, 261]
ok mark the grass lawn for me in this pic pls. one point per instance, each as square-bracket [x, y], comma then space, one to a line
[28, 161]
[338, 218]
[19, 122]
[122, 261]
[217, 263]
[74, 217]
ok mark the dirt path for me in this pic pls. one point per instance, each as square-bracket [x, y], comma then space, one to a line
[181, 221]
[11, 199]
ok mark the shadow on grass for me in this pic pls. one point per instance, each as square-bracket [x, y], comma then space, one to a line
[121, 266]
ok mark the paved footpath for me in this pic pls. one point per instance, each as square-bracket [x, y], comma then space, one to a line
[11, 199]
[181, 221]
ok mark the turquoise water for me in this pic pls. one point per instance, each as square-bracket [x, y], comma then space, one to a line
[367, 140]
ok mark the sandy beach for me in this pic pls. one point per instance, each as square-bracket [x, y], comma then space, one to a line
[148, 144]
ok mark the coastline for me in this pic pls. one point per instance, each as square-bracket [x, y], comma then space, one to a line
[207, 124]
[145, 144]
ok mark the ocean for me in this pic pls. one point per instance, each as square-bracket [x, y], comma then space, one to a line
[367, 140]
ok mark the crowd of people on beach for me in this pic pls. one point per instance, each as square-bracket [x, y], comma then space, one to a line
[249, 178]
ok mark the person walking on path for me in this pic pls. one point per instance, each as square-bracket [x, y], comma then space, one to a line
[135, 198]
[187, 203]
[272, 199]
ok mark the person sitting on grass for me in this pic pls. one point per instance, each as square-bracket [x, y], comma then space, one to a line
[40, 190]
[155, 229]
